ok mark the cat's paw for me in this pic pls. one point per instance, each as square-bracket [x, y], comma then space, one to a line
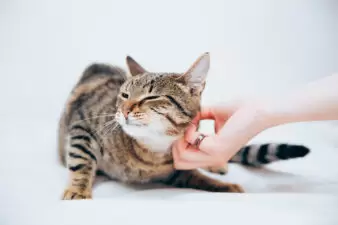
[236, 188]
[233, 188]
[218, 170]
[74, 194]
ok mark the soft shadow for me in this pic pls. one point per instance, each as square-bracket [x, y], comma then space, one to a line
[267, 172]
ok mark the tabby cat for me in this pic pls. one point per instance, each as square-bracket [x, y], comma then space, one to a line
[124, 125]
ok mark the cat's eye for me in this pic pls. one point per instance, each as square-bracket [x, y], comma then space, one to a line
[151, 97]
[124, 95]
[148, 98]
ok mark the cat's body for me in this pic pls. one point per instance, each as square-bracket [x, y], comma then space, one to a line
[125, 126]
[108, 142]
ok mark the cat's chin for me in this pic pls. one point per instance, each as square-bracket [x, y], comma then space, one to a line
[154, 141]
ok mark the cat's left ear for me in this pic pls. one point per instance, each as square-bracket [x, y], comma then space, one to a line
[134, 67]
[196, 75]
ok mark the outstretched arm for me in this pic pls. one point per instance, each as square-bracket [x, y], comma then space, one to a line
[315, 101]
[238, 122]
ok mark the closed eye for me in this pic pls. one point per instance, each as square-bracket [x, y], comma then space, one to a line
[151, 97]
[148, 98]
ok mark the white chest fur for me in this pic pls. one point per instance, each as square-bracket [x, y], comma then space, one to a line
[153, 136]
[152, 139]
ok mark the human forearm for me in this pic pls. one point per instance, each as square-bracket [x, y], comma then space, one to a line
[315, 101]
[239, 121]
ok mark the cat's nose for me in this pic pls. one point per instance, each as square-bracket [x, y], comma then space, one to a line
[127, 108]
[125, 113]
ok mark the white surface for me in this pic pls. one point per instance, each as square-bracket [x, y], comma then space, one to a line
[256, 47]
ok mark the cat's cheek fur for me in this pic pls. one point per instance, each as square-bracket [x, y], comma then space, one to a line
[145, 134]
[120, 118]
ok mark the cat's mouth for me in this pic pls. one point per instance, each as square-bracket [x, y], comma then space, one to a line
[129, 121]
[132, 123]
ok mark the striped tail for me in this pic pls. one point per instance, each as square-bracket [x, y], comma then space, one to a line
[261, 154]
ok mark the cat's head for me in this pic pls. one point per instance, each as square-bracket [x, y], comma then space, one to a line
[156, 108]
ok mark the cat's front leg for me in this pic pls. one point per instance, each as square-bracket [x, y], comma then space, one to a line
[81, 181]
[218, 170]
[82, 160]
[196, 180]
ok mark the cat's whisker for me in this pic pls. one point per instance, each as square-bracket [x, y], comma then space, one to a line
[104, 126]
[97, 116]
[110, 130]
[138, 152]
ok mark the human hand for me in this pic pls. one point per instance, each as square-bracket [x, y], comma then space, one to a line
[235, 124]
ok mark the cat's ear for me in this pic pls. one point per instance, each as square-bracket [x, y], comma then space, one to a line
[196, 75]
[134, 67]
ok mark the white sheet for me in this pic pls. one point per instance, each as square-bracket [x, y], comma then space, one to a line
[36, 163]
[33, 181]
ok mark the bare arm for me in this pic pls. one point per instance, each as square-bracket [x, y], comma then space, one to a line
[316, 101]
[238, 122]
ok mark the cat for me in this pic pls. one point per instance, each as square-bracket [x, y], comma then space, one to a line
[123, 125]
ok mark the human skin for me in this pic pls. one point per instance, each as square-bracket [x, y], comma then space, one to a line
[237, 122]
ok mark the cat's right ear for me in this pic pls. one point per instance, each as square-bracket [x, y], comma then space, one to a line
[134, 67]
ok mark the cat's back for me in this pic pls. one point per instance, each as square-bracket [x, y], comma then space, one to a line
[100, 70]
[95, 93]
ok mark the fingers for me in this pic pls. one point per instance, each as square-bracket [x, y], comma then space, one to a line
[208, 145]
[192, 134]
[189, 153]
[185, 165]
[205, 113]
[186, 157]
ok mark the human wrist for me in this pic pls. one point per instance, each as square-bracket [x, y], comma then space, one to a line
[266, 113]
[276, 111]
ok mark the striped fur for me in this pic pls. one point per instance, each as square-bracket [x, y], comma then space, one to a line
[257, 155]
[123, 125]
[261, 154]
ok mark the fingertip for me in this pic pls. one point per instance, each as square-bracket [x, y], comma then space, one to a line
[191, 127]
[190, 135]
[196, 120]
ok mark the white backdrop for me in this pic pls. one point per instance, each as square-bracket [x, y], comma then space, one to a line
[256, 47]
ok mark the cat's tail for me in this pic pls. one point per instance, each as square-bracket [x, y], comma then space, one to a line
[261, 154]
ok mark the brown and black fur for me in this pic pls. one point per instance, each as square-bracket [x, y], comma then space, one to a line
[92, 139]
[85, 147]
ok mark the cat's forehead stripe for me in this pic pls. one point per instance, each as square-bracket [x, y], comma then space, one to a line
[147, 83]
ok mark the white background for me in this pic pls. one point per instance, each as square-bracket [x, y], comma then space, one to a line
[256, 47]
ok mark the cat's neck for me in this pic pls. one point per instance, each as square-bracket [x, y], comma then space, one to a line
[153, 141]
[153, 155]
[157, 144]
